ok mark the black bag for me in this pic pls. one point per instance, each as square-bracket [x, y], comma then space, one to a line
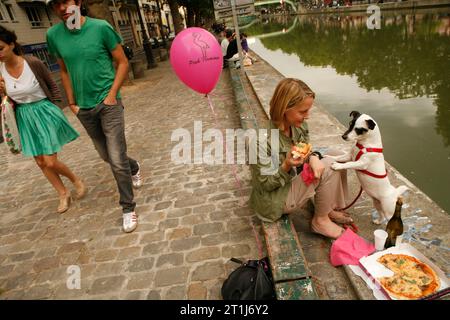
[128, 52]
[251, 281]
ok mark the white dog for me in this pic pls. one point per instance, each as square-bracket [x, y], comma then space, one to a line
[366, 157]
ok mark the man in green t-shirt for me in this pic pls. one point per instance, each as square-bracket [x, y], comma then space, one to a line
[85, 57]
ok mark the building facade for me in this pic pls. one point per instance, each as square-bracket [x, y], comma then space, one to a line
[30, 19]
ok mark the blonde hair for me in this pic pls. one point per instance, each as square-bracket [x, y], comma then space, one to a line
[288, 93]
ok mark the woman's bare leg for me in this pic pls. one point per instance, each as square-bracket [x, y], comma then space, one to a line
[45, 163]
[60, 168]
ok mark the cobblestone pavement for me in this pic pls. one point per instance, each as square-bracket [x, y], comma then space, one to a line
[192, 217]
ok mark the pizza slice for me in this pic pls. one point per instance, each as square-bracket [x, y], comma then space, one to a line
[398, 287]
[395, 262]
[412, 278]
[301, 149]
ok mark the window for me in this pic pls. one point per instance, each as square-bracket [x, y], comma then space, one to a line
[34, 16]
[40, 51]
[3, 12]
[10, 11]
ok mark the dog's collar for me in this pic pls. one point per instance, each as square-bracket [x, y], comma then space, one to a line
[363, 150]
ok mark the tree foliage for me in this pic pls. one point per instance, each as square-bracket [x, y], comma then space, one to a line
[99, 9]
[198, 11]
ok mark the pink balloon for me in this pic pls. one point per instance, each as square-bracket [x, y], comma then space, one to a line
[196, 57]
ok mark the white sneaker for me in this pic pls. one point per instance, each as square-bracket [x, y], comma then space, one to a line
[129, 221]
[137, 180]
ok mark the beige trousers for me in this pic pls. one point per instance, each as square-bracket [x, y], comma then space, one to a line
[329, 192]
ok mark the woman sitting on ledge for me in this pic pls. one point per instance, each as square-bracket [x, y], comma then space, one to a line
[282, 190]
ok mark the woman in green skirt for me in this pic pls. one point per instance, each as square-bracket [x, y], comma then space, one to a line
[43, 127]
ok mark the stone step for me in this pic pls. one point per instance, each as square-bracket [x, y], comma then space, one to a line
[426, 224]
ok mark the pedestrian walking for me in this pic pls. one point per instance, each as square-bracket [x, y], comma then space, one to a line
[43, 127]
[92, 85]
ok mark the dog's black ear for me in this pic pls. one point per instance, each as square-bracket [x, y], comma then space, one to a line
[355, 114]
[371, 124]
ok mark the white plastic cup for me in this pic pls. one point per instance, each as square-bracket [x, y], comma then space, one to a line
[399, 240]
[380, 239]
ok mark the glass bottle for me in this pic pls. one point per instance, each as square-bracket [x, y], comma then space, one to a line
[394, 227]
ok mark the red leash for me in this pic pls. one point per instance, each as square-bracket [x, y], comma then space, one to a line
[353, 202]
[352, 226]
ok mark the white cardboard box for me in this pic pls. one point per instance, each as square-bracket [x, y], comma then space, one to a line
[374, 269]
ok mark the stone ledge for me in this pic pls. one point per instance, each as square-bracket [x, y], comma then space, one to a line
[426, 224]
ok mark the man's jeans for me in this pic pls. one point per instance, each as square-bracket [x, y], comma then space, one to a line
[106, 126]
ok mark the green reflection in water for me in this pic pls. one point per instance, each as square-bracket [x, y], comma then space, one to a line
[409, 56]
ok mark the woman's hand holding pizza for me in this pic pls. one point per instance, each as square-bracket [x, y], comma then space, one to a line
[290, 162]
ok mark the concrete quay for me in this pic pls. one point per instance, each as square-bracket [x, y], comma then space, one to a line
[426, 225]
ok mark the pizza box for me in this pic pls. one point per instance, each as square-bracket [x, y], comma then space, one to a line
[376, 270]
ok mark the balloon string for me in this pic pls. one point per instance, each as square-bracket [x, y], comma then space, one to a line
[233, 167]
[212, 108]
[216, 96]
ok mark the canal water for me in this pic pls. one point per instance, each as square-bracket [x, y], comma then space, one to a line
[398, 74]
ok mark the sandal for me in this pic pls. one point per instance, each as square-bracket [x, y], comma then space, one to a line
[80, 189]
[64, 203]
